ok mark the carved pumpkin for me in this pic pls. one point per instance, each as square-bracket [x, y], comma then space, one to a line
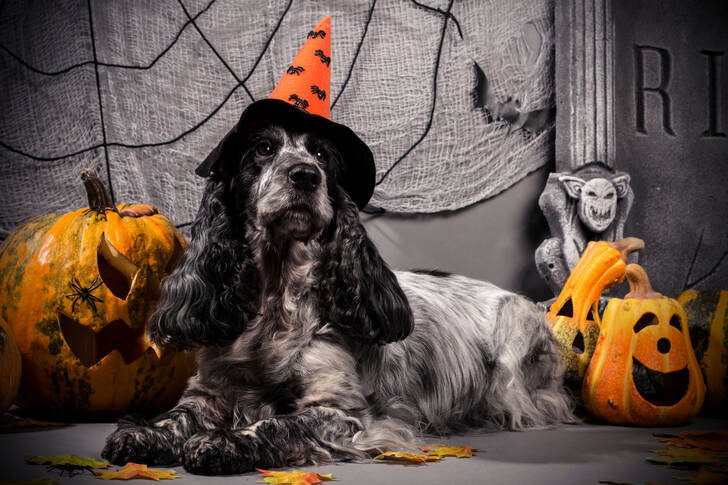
[9, 368]
[574, 316]
[707, 313]
[77, 290]
[643, 371]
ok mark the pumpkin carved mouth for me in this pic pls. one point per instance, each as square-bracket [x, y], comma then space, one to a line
[90, 346]
[660, 388]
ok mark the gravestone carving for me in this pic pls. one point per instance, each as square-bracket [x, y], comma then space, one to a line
[589, 204]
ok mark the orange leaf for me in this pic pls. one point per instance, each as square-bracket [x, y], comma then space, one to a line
[708, 476]
[405, 457]
[136, 470]
[295, 477]
[684, 458]
[457, 451]
[706, 440]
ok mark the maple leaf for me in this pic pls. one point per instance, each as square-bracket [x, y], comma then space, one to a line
[708, 475]
[137, 470]
[68, 460]
[405, 457]
[683, 458]
[706, 440]
[456, 451]
[295, 477]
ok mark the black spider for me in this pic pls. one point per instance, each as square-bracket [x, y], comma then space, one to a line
[84, 293]
[318, 92]
[297, 70]
[298, 102]
[69, 469]
[318, 33]
[324, 59]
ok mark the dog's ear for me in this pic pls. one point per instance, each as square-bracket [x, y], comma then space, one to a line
[210, 296]
[226, 151]
[360, 294]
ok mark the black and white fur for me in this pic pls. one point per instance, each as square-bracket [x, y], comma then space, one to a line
[309, 348]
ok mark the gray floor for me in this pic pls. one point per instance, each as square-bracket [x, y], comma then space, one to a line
[574, 454]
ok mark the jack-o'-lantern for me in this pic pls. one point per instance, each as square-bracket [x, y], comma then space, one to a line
[574, 316]
[707, 313]
[77, 290]
[9, 368]
[643, 371]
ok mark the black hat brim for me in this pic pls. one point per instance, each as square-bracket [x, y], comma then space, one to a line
[357, 174]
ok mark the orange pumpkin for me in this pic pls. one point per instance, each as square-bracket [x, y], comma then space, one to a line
[574, 316]
[9, 368]
[77, 290]
[707, 313]
[643, 371]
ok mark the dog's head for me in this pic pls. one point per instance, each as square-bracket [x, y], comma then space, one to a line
[277, 183]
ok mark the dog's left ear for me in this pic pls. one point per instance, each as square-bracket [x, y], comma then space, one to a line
[229, 147]
[360, 294]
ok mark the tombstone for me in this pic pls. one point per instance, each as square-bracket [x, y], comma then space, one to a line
[643, 86]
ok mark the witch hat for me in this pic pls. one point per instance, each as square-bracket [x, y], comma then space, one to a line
[300, 101]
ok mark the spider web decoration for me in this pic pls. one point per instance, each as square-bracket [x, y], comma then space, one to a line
[140, 92]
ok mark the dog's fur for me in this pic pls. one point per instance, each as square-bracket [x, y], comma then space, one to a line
[310, 348]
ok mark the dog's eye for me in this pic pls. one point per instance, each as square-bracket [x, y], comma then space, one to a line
[264, 149]
[321, 156]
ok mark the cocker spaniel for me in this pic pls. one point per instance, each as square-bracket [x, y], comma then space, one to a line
[309, 348]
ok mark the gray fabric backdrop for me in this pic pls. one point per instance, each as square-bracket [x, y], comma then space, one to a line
[141, 91]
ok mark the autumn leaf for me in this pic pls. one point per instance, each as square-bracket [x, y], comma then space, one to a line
[405, 457]
[441, 451]
[136, 470]
[708, 475]
[72, 460]
[683, 458]
[295, 477]
[706, 440]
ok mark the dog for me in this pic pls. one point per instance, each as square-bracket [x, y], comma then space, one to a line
[309, 348]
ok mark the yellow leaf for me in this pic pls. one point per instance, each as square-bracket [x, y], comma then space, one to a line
[81, 462]
[405, 457]
[295, 477]
[683, 458]
[136, 470]
[706, 440]
[456, 451]
[708, 476]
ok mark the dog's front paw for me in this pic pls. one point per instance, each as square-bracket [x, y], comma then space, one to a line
[138, 442]
[218, 452]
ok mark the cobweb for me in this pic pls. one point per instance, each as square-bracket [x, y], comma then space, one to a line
[140, 92]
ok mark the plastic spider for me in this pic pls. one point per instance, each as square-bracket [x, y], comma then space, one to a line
[318, 92]
[318, 33]
[69, 469]
[324, 59]
[298, 102]
[83, 293]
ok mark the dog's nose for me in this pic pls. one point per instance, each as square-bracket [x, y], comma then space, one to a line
[304, 177]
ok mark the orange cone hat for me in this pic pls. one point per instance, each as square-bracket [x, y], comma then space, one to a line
[305, 83]
[300, 101]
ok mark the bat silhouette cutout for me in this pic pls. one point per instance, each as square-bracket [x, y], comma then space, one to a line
[531, 121]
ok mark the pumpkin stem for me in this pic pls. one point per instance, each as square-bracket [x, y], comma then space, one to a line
[639, 284]
[98, 197]
[628, 245]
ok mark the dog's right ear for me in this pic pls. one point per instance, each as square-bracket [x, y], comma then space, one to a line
[211, 294]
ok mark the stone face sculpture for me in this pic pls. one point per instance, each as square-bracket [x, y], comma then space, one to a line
[589, 204]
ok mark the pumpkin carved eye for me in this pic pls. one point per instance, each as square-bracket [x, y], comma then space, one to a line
[675, 322]
[115, 269]
[645, 321]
